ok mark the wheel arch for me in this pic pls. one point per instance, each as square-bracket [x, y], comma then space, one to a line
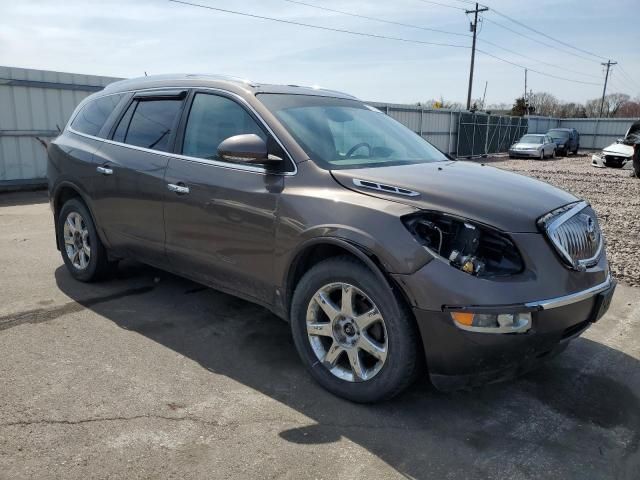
[64, 192]
[318, 249]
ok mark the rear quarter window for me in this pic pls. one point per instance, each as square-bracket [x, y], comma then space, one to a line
[92, 117]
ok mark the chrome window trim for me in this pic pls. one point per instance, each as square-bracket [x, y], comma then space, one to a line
[557, 222]
[215, 163]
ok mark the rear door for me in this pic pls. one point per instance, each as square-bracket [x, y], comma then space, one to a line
[130, 188]
[220, 225]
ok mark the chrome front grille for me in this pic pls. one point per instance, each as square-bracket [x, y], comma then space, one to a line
[575, 233]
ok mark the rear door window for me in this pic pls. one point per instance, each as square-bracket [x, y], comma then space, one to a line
[149, 123]
[212, 119]
[92, 117]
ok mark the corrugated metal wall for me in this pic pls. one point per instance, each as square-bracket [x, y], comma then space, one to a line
[595, 133]
[440, 127]
[33, 104]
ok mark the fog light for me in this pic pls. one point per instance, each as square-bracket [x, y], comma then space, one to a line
[492, 322]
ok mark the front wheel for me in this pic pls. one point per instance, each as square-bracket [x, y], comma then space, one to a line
[542, 155]
[81, 248]
[553, 153]
[354, 335]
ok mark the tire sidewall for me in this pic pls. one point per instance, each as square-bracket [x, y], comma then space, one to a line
[402, 353]
[70, 206]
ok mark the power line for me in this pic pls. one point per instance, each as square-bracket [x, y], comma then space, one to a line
[535, 71]
[409, 25]
[554, 65]
[318, 27]
[372, 35]
[628, 77]
[539, 41]
[587, 52]
[442, 5]
[391, 22]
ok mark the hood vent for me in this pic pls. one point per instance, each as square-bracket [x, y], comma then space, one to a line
[384, 188]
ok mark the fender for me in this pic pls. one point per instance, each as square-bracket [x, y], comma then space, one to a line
[359, 251]
[85, 198]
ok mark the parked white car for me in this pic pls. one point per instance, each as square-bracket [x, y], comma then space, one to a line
[533, 146]
[615, 155]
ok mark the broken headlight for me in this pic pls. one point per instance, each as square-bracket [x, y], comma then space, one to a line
[468, 246]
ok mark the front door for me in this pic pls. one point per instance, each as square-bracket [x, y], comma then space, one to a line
[129, 186]
[219, 216]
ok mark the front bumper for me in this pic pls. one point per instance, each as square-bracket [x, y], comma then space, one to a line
[524, 153]
[602, 161]
[462, 359]
[562, 303]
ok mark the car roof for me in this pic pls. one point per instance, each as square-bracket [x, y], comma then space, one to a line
[225, 82]
[534, 134]
[561, 130]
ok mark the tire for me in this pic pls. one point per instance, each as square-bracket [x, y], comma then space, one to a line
[542, 157]
[636, 161]
[553, 154]
[575, 152]
[395, 331]
[83, 252]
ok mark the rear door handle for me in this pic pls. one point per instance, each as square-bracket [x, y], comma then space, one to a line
[105, 170]
[179, 189]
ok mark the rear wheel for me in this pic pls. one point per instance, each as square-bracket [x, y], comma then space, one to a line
[81, 248]
[354, 335]
[553, 153]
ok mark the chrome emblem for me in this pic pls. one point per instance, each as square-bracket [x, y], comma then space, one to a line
[591, 229]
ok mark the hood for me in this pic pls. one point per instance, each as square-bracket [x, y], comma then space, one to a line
[505, 200]
[618, 149]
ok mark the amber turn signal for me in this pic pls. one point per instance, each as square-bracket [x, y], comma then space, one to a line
[464, 318]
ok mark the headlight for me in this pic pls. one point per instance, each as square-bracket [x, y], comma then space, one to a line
[561, 145]
[466, 245]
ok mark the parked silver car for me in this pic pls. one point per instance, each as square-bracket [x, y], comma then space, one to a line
[533, 146]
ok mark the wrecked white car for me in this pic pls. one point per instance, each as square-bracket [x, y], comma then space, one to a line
[615, 155]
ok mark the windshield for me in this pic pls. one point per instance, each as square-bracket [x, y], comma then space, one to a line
[341, 133]
[555, 134]
[531, 139]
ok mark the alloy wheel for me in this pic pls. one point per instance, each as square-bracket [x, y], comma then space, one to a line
[347, 332]
[76, 241]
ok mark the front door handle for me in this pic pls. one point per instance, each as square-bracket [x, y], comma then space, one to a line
[105, 170]
[179, 189]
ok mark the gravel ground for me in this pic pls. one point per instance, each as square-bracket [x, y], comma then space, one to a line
[612, 192]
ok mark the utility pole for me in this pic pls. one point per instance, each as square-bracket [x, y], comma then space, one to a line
[524, 98]
[474, 29]
[484, 95]
[609, 64]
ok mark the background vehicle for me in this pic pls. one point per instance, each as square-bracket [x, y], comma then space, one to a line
[566, 140]
[616, 155]
[377, 249]
[533, 146]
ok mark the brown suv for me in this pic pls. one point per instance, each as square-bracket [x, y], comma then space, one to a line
[384, 255]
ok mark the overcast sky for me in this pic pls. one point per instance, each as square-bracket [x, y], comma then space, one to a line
[126, 38]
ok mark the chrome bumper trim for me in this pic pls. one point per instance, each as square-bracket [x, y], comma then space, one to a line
[573, 298]
[538, 304]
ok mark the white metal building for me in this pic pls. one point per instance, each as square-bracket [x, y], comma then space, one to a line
[34, 104]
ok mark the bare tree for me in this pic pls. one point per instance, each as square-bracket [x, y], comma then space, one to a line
[612, 104]
[630, 109]
[571, 110]
[544, 104]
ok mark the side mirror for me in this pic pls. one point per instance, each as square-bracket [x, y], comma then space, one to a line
[247, 148]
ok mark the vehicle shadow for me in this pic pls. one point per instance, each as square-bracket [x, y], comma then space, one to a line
[14, 199]
[578, 416]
